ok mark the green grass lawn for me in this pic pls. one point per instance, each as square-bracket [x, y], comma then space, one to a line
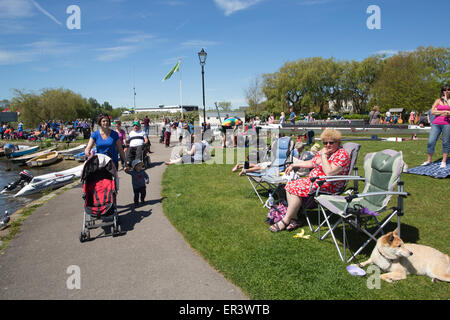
[207, 203]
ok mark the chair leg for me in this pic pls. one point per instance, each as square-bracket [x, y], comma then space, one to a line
[305, 213]
[254, 190]
[331, 229]
[373, 236]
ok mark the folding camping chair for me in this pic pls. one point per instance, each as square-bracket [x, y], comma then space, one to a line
[382, 173]
[353, 151]
[281, 152]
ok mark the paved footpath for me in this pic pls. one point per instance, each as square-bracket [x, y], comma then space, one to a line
[150, 261]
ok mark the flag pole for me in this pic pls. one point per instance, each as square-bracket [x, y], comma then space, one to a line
[181, 92]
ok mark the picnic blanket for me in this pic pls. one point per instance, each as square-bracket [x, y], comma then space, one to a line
[432, 170]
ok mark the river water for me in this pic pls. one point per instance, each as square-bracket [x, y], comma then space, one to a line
[10, 172]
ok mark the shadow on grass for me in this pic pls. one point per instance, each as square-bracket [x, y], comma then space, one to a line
[355, 238]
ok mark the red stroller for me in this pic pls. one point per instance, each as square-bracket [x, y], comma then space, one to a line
[100, 186]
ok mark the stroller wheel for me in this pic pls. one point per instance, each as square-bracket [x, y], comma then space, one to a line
[116, 229]
[85, 236]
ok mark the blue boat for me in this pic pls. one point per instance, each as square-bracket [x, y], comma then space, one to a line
[81, 157]
[18, 151]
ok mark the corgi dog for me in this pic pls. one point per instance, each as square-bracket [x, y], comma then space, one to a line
[400, 259]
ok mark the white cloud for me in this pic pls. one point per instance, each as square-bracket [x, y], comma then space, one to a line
[313, 2]
[45, 12]
[115, 53]
[172, 3]
[231, 6]
[12, 9]
[199, 43]
[137, 38]
[387, 52]
[128, 43]
[34, 52]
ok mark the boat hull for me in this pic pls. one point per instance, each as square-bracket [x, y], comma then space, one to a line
[23, 152]
[23, 159]
[69, 153]
[44, 160]
[50, 181]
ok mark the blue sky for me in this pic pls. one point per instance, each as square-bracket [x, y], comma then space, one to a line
[122, 42]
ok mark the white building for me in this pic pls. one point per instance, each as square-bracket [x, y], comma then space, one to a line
[171, 109]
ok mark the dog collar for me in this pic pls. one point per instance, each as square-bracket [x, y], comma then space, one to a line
[389, 260]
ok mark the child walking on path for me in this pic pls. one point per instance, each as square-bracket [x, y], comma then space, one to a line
[139, 179]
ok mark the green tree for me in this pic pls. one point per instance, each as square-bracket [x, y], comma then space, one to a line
[51, 104]
[95, 107]
[28, 104]
[224, 106]
[5, 103]
[254, 95]
[357, 80]
[107, 107]
[405, 82]
[438, 60]
[306, 85]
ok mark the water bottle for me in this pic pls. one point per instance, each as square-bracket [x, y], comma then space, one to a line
[270, 201]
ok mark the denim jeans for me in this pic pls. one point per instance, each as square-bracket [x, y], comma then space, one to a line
[435, 132]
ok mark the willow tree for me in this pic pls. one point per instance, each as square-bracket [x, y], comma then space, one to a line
[28, 105]
[357, 81]
[306, 84]
[51, 104]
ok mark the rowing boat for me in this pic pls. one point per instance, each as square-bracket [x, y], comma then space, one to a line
[22, 150]
[21, 160]
[44, 160]
[69, 153]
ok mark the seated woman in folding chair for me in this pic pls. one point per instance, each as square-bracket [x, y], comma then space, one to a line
[331, 160]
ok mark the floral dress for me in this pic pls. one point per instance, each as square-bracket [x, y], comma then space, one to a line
[301, 187]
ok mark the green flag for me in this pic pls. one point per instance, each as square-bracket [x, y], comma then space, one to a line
[176, 68]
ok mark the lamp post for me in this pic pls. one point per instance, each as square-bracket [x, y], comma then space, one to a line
[202, 57]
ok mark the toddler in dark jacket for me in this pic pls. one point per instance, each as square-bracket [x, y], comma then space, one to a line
[139, 179]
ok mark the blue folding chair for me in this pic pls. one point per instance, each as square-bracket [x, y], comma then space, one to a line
[281, 154]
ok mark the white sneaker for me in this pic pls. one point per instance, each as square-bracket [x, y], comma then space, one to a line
[443, 165]
[425, 163]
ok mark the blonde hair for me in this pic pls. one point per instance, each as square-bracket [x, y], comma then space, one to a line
[331, 134]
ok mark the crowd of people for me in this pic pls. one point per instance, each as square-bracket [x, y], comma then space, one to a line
[332, 159]
[48, 129]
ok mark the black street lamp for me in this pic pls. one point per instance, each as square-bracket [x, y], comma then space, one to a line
[202, 56]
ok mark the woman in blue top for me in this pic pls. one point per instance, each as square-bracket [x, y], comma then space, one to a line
[107, 141]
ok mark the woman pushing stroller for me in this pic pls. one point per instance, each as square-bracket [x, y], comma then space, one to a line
[107, 142]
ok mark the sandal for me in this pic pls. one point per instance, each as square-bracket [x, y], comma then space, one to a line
[294, 224]
[277, 228]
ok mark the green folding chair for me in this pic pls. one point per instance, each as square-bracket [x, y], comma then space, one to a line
[382, 174]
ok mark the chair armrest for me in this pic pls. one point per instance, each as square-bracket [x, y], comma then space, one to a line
[387, 193]
[324, 179]
[343, 178]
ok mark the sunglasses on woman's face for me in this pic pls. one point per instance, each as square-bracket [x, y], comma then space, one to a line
[328, 142]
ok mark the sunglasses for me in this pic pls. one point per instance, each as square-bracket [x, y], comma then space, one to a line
[328, 142]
